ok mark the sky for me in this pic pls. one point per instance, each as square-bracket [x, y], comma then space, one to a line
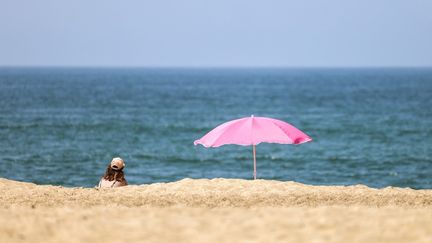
[222, 33]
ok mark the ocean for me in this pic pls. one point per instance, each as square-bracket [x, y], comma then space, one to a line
[62, 126]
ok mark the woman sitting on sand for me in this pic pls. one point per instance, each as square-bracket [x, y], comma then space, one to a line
[114, 176]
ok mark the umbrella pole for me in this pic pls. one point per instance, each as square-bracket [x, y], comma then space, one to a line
[254, 162]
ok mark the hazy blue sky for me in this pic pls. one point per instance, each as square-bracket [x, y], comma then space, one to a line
[216, 33]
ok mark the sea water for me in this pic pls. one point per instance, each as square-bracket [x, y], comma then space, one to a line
[62, 126]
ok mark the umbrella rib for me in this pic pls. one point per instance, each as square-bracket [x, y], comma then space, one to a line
[224, 131]
[283, 131]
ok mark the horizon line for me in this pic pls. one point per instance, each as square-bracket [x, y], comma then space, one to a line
[216, 67]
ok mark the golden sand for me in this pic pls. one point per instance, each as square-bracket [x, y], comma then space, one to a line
[218, 210]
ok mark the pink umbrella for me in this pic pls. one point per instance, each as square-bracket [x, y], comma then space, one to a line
[253, 131]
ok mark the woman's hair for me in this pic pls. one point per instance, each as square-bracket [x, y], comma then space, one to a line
[111, 174]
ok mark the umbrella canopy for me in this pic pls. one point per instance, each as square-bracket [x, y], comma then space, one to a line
[253, 131]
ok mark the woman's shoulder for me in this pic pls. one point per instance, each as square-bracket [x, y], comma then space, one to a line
[121, 183]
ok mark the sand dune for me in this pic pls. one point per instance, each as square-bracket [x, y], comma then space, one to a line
[213, 193]
[218, 210]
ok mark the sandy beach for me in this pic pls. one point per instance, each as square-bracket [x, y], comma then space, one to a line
[217, 210]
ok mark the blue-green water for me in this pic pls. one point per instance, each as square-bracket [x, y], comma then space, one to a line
[62, 126]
